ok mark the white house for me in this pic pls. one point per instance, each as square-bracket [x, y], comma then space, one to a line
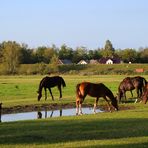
[109, 61]
[83, 62]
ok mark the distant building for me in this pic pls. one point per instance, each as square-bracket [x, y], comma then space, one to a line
[110, 61]
[92, 61]
[83, 62]
[65, 61]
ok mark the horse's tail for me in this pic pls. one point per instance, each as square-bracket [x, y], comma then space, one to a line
[78, 92]
[63, 82]
[144, 81]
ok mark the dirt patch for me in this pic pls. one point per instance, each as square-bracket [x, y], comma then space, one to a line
[54, 106]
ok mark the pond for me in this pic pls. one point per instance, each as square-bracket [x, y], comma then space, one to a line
[44, 114]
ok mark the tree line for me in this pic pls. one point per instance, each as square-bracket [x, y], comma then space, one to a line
[12, 54]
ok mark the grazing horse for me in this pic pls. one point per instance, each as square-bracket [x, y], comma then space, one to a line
[129, 84]
[144, 96]
[94, 90]
[49, 82]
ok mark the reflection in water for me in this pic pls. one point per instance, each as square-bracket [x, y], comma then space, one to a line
[0, 111]
[44, 114]
[39, 116]
[39, 113]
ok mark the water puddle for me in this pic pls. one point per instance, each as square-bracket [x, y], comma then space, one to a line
[44, 114]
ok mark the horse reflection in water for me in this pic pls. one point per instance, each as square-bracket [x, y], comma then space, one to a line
[94, 90]
[0, 111]
[49, 82]
[40, 115]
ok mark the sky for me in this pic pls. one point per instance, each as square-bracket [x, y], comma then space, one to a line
[87, 23]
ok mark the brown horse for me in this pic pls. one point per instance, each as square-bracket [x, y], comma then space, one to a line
[49, 82]
[129, 84]
[94, 90]
[144, 96]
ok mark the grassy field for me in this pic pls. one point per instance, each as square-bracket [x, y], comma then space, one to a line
[22, 90]
[124, 128]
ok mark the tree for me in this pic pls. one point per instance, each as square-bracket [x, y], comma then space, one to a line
[144, 55]
[80, 54]
[65, 52]
[129, 55]
[11, 56]
[108, 50]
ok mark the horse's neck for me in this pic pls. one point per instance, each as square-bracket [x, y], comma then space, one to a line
[41, 87]
[110, 95]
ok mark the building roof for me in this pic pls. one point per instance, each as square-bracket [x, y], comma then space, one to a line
[104, 60]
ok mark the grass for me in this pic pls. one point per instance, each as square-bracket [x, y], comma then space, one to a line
[22, 90]
[126, 128]
[123, 128]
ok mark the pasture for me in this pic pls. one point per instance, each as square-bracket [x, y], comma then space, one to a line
[124, 128]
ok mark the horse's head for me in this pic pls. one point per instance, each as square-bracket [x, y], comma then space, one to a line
[39, 96]
[115, 103]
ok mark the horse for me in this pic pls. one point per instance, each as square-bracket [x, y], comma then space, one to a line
[129, 84]
[96, 90]
[49, 82]
[144, 96]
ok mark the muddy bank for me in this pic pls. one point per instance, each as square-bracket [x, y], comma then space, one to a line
[55, 106]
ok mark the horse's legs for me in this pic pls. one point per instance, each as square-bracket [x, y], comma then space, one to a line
[45, 93]
[95, 105]
[132, 93]
[51, 94]
[107, 103]
[80, 109]
[59, 88]
[77, 107]
[139, 94]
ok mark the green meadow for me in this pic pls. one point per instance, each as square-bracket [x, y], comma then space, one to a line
[125, 128]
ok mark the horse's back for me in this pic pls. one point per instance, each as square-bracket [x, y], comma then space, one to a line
[51, 81]
[126, 84]
[93, 89]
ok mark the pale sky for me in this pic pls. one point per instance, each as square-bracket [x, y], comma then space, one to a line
[75, 23]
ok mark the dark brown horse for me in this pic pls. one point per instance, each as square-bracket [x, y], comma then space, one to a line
[129, 84]
[144, 96]
[94, 90]
[49, 82]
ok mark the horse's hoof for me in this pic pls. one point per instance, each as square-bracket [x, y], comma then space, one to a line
[81, 113]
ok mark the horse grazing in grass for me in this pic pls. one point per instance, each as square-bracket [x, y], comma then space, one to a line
[49, 82]
[94, 90]
[144, 96]
[129, 84]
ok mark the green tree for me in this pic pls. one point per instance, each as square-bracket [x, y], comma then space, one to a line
[144, 55]
[65, 52]
[11, 56]
[108, 50]
[129, 55]
[80, 54]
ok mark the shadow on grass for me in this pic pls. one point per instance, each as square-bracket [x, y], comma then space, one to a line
[56, 131]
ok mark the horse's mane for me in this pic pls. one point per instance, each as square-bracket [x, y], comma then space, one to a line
[41, 85]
